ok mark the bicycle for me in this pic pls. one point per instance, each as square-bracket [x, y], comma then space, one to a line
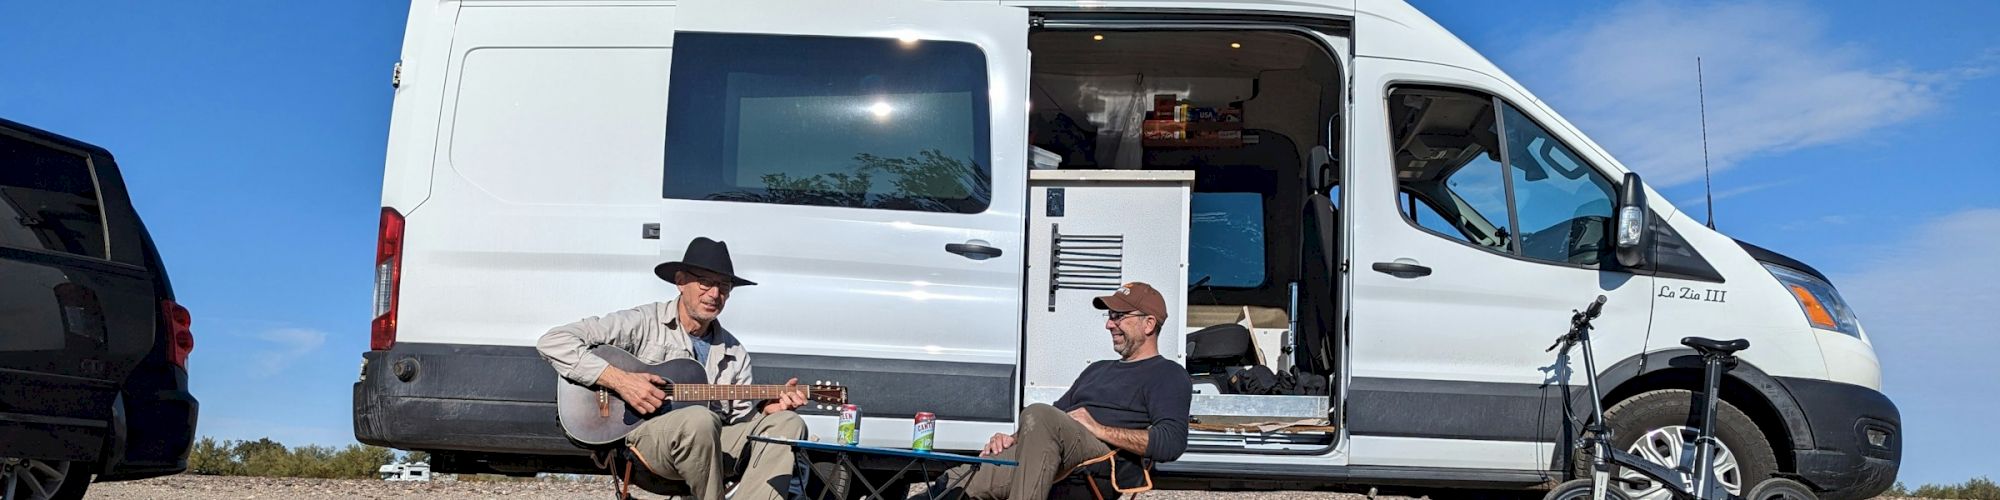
[1695, 481]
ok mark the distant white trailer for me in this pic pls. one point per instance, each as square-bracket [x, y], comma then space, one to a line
[405, 472]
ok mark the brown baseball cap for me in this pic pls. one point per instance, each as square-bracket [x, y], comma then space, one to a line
[1134, 296]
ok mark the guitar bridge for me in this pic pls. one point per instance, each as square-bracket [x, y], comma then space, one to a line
[603, 404]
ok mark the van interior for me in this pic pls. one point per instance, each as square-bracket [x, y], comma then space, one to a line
[1252, 114]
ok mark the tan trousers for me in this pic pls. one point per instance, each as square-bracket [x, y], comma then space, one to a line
[1048, 444]
[692, 445]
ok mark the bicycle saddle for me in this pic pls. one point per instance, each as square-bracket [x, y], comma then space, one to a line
[1711, 346]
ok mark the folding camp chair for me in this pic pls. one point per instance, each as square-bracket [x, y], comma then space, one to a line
[1107, 477]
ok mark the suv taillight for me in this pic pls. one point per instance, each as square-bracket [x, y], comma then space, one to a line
[180, 335]
[388, 278]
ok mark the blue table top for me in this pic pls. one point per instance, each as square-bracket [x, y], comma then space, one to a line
[896, 452]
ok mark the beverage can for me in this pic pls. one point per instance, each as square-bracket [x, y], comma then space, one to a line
[925, 432]
[850, 425]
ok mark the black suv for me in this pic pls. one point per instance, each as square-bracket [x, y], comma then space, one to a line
[93, 349]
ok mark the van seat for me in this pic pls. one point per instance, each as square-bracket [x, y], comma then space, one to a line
[1203, 316]
[1212, 348]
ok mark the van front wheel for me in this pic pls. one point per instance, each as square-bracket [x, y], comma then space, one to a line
[1659, 426]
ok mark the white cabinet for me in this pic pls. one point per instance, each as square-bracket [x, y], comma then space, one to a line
[1088, 232]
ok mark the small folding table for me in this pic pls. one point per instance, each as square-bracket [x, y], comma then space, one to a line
[848, 460]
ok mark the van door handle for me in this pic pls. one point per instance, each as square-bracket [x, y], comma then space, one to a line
[972, 251]
[1402, 269]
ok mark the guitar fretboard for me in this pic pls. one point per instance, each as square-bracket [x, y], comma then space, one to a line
[712, 392]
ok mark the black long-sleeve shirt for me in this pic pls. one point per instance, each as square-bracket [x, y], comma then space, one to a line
[1151, 394]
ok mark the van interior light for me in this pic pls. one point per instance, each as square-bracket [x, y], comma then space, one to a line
[1099, 38]
[1235, 45]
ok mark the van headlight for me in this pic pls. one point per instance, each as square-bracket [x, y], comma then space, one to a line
[1823, 306]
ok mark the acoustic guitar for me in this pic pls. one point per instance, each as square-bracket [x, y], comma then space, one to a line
[596, 416]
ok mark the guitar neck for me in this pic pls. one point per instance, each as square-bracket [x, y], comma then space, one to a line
[727, 392]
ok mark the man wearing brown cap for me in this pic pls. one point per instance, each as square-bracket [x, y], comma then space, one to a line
[1137, 405]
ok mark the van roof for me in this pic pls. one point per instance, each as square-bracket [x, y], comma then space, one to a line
[1415, 36]
[55, 138]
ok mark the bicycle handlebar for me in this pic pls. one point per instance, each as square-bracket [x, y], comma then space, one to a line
[1580, 322]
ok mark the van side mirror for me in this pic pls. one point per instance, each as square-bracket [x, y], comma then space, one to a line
[1634, 241]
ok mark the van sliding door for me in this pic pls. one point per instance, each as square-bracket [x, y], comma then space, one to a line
[865, 162]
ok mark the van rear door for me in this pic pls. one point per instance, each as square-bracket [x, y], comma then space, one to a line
[865, 162]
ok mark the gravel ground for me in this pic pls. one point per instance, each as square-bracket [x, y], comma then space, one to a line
[218, 488]
[234, 488]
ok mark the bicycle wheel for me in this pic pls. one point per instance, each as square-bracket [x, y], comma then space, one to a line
[1579, 489]
[1779, 488]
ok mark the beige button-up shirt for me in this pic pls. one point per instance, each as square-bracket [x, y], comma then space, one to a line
[652, 333]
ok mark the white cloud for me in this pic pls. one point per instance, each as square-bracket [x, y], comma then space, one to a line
[1927, 300]
[1735, 192]
[1941, 278]
[287, 345]
[1776, 81]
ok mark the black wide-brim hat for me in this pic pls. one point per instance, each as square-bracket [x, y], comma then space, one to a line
[704, 254]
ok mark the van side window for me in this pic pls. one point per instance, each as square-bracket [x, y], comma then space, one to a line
[1421, 212]
[1448, 156]
[48, 199]
[828, 121]
[1226, 239]
[1562, 204]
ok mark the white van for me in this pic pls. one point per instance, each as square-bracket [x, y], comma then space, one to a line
[1339, 192]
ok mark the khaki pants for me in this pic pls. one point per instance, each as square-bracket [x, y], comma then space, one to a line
[1048, 444]
[692, 445]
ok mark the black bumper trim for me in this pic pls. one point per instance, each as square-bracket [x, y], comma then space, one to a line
[501, 399]
[1842, 461]
[1198, 474]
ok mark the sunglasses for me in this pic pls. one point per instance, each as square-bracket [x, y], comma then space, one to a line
[1120, 315]
[710, 282]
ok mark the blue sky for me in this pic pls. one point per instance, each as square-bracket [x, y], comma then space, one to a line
[1856, 136]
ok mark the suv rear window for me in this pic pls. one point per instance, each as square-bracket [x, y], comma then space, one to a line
[48, 199]
[828, 121]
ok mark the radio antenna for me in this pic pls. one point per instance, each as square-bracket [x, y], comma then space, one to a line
[1707, 186]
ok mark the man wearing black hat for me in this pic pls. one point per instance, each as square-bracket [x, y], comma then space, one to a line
[698, 445]
[1136, 405]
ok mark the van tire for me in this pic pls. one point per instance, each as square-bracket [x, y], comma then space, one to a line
[1635, 416]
